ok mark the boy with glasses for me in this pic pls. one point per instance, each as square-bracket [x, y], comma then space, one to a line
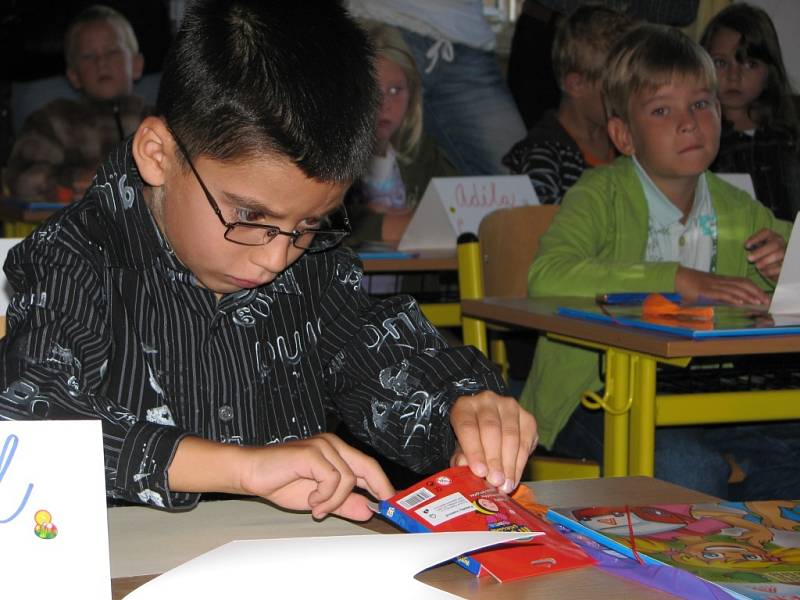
[195, 303]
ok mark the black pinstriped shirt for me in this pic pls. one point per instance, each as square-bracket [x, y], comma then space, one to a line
[106, 323]
[550, 157]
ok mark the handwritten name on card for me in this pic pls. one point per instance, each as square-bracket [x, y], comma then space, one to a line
[53, 510]
[455, 205]
[485, 195]
[6, 457]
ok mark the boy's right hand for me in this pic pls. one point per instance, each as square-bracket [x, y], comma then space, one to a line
[695, 285]
[317, 474]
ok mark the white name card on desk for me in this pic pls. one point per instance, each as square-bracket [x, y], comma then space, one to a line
[786, 297]
[455, 205]
[53, 531]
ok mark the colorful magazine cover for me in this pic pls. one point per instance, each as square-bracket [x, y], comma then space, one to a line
[457, 500]
[751, 549]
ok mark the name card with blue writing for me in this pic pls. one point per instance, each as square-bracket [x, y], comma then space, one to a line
[53, 528]
[455, 205]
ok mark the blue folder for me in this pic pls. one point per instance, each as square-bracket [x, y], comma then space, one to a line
[728, 321]
[32, 205]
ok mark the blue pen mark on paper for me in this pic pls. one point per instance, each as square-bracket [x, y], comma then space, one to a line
[6, 456]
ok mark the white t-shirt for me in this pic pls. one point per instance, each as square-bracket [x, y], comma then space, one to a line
[383, 185]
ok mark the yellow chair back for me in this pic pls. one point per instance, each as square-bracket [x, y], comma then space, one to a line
[496, 264]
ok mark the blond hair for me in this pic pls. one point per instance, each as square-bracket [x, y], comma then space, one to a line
[93, 14]
[389, 44]
[648, 57]
[584, 39]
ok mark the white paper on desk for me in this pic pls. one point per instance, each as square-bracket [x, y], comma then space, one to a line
[786, 298]
[146, 541]
[359, 566]
[53, 532]
[451, 206]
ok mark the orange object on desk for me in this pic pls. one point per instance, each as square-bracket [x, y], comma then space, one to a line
[64, 194]
[656, 305]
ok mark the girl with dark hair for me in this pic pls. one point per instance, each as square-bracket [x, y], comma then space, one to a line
[761, 129]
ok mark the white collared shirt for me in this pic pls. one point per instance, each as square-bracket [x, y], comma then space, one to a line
[693, 244]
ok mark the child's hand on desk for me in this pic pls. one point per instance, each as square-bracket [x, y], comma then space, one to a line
[694, 285]
[317, 474]
[495, 437]
[767, 250]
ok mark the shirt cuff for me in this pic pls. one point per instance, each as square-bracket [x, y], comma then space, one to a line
[146, 454]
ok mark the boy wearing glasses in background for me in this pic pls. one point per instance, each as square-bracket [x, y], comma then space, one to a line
[194, 300]
[61, 145]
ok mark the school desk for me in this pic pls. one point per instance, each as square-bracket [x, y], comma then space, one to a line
[19, 220]
[441, 314]
[632, 408]
[144, 539]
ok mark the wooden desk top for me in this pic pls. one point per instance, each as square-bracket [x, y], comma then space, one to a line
[427, 260]
[589, 583]
[540, 314]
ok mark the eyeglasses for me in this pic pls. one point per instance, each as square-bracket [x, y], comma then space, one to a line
[334, 227]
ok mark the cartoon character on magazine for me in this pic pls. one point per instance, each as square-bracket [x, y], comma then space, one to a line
[747, 535]
[752, 523]
[641, 520]
[496, 519]
[699, 552]
[756, 523]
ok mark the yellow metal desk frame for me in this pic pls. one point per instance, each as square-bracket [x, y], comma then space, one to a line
[632, 408]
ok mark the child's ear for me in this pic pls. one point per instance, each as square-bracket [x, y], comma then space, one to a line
[573, 84]
[72, 77]
[620, 135]
[138, 66]
[153, 149]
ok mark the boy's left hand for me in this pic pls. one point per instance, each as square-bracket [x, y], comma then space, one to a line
[767, 250]
[495, 437]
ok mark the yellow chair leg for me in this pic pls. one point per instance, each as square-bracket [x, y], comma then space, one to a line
[550, 467]
[615, 427]
[500, 357]
[442, 314]
[643, 415]
[470, 286]
[18, 229]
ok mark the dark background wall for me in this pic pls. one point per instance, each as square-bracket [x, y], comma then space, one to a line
[32, 33]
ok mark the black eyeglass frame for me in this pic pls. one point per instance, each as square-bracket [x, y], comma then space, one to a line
[270, 231]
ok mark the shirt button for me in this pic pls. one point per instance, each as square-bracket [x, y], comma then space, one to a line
[226, 412]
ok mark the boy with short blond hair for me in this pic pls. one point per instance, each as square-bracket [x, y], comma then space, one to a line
[564, 143]
[101, 33]
[195, 301]
[657, 220]
[61, 144]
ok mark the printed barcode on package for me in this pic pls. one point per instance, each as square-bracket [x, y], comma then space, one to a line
[417, 497]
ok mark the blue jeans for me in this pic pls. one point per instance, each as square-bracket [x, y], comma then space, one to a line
[467, 106]
[694, 457]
